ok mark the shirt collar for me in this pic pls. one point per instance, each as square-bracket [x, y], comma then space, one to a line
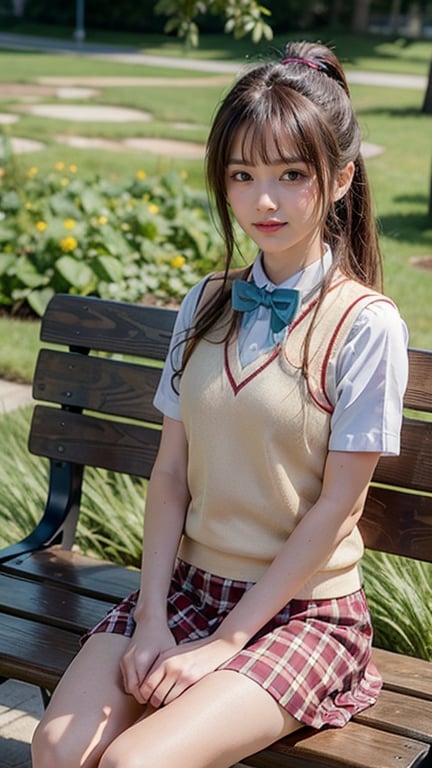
[304, 281]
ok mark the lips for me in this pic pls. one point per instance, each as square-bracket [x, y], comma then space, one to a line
[269, 227]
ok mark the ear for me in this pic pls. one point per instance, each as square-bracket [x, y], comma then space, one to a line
[343, 181]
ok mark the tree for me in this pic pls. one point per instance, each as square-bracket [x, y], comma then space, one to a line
[427, 102]
[360, 17]
[243, 17]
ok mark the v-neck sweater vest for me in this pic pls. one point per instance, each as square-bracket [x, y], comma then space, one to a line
[258, 440]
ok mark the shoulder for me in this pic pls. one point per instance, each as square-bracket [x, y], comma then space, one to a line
[190, 303]
[380, 319]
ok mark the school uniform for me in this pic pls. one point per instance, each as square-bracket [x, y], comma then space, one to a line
[258, 435]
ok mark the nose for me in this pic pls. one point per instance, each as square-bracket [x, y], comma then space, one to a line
[266, 200]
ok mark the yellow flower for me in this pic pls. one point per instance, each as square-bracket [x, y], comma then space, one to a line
[125, 227]
[59, 166]
[2, 172]
[64, 182]
[141, 175]
[73, 168]
[28, 205]
[184, 175]
[32, 172]
[68, 244]
[102, 220]
[41, 226]
[69, 223]
[178, 261]
[153, 208]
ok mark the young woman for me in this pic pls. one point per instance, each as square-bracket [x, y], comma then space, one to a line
[283, 387]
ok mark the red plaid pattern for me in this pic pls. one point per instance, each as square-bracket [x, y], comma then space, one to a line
[313, 657]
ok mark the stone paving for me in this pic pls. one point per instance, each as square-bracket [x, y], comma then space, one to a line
[20, 710]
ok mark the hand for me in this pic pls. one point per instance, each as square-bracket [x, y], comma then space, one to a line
[177, 669]
[149, 640]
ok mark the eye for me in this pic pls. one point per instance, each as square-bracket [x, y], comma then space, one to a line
[293, 175]
[240, 176]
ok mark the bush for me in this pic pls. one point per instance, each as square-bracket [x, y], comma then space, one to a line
[111, 521]
[105, 237]
[399, 592]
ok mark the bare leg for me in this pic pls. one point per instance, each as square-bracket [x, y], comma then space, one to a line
[214, 724]
[88, 709]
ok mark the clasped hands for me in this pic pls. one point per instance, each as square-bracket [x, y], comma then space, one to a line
[156, 671]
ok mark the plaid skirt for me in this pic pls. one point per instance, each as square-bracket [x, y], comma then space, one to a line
[313, 657]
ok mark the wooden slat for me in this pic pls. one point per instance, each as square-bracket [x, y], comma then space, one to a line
[399, 713]
[354, 746]
[110, 326]
[405, 674]
[97, 442]
[398, 523]
[48, 604]
[33, 652]
[118, 388]
[413, 468]
[84, 575]
[419, 389]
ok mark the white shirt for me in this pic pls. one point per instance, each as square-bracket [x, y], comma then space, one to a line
[365, 385]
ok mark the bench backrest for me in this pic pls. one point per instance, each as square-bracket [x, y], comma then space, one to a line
[107, 418]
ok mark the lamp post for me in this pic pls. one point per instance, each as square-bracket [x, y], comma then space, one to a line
[79, 33]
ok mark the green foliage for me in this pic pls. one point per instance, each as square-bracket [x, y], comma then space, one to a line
[101, 236]
[399, 592]
[243, 17]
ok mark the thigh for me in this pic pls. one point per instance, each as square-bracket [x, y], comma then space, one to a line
[89, 707]
[214, 724]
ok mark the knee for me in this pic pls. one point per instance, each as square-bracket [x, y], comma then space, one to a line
[51, 749]
[122, 754]
[44, 749]
[114, 757]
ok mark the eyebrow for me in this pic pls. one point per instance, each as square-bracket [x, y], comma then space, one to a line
[278, 161]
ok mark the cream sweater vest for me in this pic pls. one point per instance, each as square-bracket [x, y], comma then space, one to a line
[258, 440]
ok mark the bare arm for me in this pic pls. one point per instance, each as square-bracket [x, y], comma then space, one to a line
[166, 504]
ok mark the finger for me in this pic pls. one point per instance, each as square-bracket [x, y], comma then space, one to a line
[129, 675]
[156, 686]
[180, 686]
[161, 693]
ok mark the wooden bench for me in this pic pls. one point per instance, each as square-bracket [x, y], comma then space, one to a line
[49, 594]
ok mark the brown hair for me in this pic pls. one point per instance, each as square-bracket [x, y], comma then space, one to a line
[304, 98]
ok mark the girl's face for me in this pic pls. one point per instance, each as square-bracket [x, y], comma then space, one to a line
[278, 205]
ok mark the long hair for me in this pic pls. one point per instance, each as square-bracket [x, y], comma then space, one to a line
[304, 100]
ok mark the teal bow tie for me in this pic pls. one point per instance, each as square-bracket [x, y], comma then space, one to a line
[283, 302]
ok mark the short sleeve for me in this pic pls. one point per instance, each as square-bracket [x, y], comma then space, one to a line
[368, 381]
[166, 398]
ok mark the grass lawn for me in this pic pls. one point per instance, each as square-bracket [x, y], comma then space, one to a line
[389, 117]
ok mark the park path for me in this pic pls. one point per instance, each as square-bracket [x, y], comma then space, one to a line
[129, 55]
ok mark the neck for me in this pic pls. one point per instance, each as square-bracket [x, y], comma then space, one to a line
[278, 268]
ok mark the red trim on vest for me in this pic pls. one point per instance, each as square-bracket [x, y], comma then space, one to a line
[237, 387]
[313, 303]
[374, 300]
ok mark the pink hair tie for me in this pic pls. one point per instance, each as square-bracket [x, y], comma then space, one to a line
[308, 62]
